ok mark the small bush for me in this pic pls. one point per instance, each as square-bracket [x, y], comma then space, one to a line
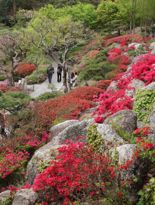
[13, 101]
[147, 195]
[2, 77]
[49, 95]
[25, 69]
[94, 139]
[37, 76]
[143, 104]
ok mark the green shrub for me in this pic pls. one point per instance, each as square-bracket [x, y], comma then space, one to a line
[147, 195]
[49, 95]
[144, 101]
[2, 77]
[94, 138]
[37, 76]
[13, 101]
[96, 68]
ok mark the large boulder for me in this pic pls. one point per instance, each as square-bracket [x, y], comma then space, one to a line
[150, 86]
[124, 119]
[48, 152]
[41, 158]
[125, 152]
[109, 135]
[55, 130]
[72, 132]
[137, 84]
[25, 197]
[4, 196]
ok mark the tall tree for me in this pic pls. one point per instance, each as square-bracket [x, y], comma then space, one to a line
[54, 39]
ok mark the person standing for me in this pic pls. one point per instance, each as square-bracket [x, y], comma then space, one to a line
[59, 72]
[50, 71]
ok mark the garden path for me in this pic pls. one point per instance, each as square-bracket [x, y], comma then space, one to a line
[39, 89]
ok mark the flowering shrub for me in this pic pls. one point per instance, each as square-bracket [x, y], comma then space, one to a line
[25, 69]
[69, 106]
[123, 40]
[144, 69]
[14, 156]
[3, 87]
[112, 102]
[11, 162]
[103, 84]
[85, 92]
[76, 173]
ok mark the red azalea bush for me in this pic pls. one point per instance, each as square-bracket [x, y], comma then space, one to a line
[25, 69]
[12, 161]
[112, 102]
[103, 84]
[123, 40]
[85, 92]
[4, 87]
[76, 173]
[69, 106]
[64, 107]
[14, 154]
[144, 69]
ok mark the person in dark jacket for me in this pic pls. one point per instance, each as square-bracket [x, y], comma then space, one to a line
[50, 71]
[59, 71]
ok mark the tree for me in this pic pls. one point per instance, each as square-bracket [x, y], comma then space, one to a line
[108, 15]
[54, 39]
[11, 54]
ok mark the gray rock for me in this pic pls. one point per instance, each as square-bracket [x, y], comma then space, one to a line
[152, 47]
[25, 197]
[5, 195]
[41, 158]
[72, 132]
[130, 93]
[125, 119]
[55, 130]
[109, 135]
[137, 84]
[45, 154]
[112, 86]
[151, 86]
[125, 152]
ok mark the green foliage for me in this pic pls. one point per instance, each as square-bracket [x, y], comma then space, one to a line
[144, 101]
[147, 195]
[13, 101]
[96, 68]
[37, 76]
[49, 95]
[108, 15]
[94, 138]
[121, 132]
[2, 77]
[86, 13]
[7, 201]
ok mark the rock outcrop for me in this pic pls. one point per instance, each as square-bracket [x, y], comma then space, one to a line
[124, 119]
[55, 130]
[25, 197]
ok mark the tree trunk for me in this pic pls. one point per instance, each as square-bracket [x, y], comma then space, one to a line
[14, 8]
